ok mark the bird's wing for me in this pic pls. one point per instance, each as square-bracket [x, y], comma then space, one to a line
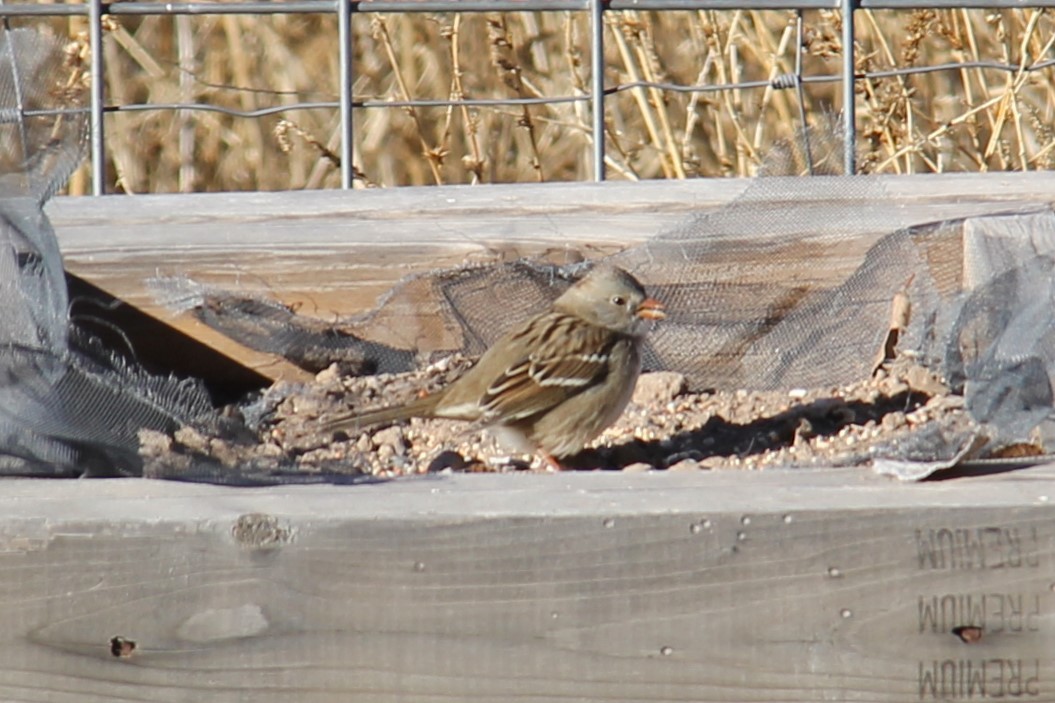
[568, 356]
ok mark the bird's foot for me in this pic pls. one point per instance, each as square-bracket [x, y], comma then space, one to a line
[549, 463]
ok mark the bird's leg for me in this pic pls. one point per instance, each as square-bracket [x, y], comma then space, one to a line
[549, 462]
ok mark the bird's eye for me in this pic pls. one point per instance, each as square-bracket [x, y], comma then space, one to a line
[618, 300]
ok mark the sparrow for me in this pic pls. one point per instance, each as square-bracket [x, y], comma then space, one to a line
[554, 382]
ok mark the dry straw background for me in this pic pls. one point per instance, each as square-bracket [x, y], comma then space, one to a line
[955, 120]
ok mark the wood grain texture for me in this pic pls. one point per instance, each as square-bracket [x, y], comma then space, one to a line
[769, 586]
[332, 253]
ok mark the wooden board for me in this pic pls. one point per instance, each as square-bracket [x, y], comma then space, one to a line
[332, 253]
[769, 586]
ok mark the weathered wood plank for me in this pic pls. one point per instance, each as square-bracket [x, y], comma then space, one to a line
[771, 586]
[326, 242]
[332, 253]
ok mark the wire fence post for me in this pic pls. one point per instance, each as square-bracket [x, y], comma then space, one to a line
[597, 85]
[849, 104]
[97, 94]
[344, 37]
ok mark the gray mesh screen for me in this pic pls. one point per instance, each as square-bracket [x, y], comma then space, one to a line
[67, 406]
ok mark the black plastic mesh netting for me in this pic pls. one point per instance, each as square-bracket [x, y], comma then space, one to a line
[801, 282]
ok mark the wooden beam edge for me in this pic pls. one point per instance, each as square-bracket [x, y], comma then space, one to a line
[50, 504]
[534, 197]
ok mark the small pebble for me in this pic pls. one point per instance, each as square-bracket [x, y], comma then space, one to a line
[658, 388]
[328, 375]
[392, 438]
[893, 421]
[895, 387]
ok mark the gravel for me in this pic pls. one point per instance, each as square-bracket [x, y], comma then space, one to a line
[902, 409]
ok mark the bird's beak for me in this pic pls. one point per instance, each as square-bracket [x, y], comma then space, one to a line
[651, 309]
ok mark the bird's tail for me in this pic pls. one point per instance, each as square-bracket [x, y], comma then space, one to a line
[353, 421]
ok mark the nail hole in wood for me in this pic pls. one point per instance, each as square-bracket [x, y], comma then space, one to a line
[121, 646]
[969, 634]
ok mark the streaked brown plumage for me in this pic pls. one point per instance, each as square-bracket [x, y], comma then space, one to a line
[554, 382]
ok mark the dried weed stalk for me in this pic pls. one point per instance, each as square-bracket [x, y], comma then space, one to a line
[964, 119]
[504, 59]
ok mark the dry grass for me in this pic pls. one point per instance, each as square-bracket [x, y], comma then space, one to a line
[964, 119]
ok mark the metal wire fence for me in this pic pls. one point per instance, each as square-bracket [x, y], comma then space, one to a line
[95, 10]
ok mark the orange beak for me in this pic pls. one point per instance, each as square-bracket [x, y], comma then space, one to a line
[651, 309]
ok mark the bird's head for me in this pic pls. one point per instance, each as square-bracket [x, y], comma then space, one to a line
[610, 297]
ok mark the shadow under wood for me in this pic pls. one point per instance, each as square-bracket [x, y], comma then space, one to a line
[159, 348]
